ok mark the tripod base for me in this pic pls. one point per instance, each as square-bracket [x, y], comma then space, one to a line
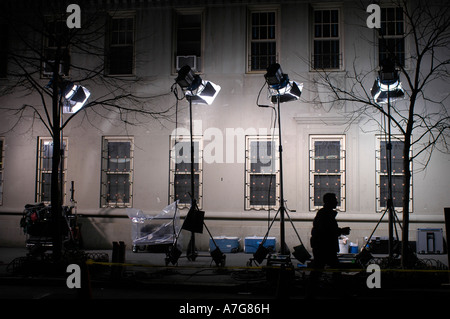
[281, 274]
[192, 252]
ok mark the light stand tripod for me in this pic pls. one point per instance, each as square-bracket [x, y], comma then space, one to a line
[388, 83]
[390, 202]
[278, 82]
[204, 93]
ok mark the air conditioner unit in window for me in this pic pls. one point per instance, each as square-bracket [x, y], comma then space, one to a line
[190, 60]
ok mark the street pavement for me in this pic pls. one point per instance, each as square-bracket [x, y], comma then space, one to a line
[145, 276]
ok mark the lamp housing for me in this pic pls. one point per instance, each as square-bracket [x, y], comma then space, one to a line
[205, 93]
[279, 85]
[387, 87]
[75, 97]
[291, 92]
[187, 78]
[197, 90]
[274, 76]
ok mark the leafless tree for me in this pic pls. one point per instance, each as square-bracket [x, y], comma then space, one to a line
[45, 56]
[422, 112]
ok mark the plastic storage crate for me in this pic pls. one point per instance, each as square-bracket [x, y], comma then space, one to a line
[225, 243]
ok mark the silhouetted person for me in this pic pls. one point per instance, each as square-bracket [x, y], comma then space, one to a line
[325, 234]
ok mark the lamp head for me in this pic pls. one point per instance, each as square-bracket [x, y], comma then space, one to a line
[387, 87]
[75, 97]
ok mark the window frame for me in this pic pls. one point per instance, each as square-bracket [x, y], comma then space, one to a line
[262, 9]
[248, 173]
[403, 36]
[109, 32]
[199, 59]
[105, 173]
[172, 168]
[2, 168]
[64, 65]
[4, 47]
[340, 37]
[342, 170]
[378, 173]
[40, 170]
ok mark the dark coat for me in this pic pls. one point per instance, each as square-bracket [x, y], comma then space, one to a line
[325, 232]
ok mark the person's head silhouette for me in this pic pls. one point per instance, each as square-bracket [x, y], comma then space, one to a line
[330, 200]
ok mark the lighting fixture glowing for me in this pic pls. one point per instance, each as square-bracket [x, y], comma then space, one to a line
[387, 87]
[280, 87]
[75, 97]
[198, 91]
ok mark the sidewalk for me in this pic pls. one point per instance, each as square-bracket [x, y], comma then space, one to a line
[145, 275]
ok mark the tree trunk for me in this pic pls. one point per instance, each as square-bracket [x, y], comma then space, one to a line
[406, 194]
[407, 180]
[55, 189]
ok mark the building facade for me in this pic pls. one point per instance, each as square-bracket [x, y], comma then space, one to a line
[122, 159]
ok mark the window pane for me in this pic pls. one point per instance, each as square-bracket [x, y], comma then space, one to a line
[1, 188]
[182, 186]
[326, 53]
[182, 152]
[189, 34]
[397, 156]
[327, 156]
[47, 156]
[261, 157]
[119, 156]
[3, 50]
[326, 184]
[46, 184]
[392, 32]
[117, 168]
[262, 189]
[397, 190]
[121, 60]
[121, 50]
[118, 188]
[263, 40]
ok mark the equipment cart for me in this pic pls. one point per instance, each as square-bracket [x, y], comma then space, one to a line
[37, 224]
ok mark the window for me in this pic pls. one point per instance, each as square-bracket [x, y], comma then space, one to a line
[396, 169]
[117, 172]
[261, 173]
[327, 169]
[55, 42]
[188, 39]
[120, 55]
[2, 167]
[180, 170]
[263, 38]
[391, 37]
[327, 52]
[3, 50]
[44, 169]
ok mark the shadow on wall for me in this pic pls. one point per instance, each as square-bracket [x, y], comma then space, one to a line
[99, 233]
